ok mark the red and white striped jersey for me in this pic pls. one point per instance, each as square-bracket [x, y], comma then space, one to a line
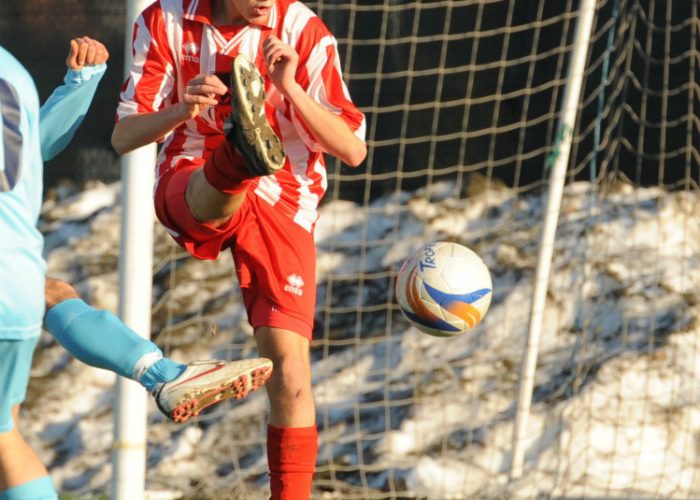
[175, 40]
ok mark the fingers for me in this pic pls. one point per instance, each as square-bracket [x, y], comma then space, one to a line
[276, 50]
[281, 60]
[72, 59]
[84, 51]
[270, 40]
[206, 85]
[97, 53]
[200, 100]
[201, 92]
[278, 54]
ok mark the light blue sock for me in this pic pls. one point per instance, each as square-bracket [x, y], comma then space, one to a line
[37, 489]
[163, 370]
[100, 339]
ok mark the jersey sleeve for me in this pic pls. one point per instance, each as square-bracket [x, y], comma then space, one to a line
[321, 75]
[151, 78]
[64, 110]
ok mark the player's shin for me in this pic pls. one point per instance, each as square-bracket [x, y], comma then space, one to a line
[100, 339]
[226, 170]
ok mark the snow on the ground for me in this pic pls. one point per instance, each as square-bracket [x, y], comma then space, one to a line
[615, 410]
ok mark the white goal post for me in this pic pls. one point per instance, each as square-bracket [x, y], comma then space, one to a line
[135, 300]
[557, 178]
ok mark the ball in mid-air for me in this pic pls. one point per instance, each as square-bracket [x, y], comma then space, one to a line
[444, 289]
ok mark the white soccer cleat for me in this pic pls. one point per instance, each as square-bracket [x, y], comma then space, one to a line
[204, 383]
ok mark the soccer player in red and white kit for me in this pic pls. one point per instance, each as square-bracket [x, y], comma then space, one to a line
[246, 96]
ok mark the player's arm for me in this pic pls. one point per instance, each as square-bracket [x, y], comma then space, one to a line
[64, 110]
[330, 130]
[140, 129]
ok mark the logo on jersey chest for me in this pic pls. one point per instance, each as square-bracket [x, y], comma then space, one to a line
[294, 284]
[190, 52]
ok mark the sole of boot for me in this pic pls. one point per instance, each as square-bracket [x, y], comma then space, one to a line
[252, 134]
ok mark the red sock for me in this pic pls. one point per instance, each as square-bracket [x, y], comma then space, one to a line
[226, 169]
[291, 456]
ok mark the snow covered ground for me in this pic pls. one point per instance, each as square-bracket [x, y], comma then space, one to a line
[404, 415]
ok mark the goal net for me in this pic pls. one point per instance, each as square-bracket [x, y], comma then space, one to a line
[463, 102]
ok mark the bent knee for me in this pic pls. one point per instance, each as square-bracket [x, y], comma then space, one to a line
[9, 426]
[56, 291]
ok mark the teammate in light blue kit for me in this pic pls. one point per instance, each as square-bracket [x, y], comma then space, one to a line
[22, 475]
[30, 134]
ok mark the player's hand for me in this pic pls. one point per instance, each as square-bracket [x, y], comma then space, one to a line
[201, 92]
[84, 51]
[281, 60]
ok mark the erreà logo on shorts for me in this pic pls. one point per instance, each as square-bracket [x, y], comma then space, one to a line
[190, 52]
[294, 284]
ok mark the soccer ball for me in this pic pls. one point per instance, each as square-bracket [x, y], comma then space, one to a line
[444, 289]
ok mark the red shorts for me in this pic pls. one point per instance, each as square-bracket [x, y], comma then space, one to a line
[275, 258]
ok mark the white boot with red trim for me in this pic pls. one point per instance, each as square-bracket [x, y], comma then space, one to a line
[204, 383]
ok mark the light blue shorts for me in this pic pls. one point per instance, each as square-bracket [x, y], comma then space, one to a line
[15, 365]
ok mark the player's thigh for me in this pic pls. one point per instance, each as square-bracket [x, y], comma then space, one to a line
[15, 366]
[276, 268]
